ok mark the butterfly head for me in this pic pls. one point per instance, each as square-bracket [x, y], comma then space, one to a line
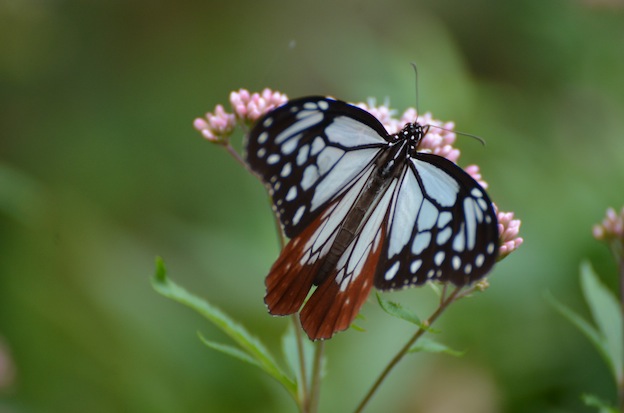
[413, 133]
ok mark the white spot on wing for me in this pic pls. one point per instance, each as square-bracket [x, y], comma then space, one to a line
[438, 184]
[306, 120]
[343, 172]
[286, 170]
[290, 145]
[421, 241]
[415, 266]
[476, 192]
[444, 235]
[456, 262]
[273, 159]
[317, 145]
[482, 204]
[459, 243]
[328, 157]
[292, 193]
[302, 155]
[427, 216]
[298, 215]
[444, 218]
[479, 260]
[350, 132]
[439, 258]
[392, 271]
[404, 213]
[471, 223]
[310, 175]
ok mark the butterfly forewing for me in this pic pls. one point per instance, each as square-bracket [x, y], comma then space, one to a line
[308, 151]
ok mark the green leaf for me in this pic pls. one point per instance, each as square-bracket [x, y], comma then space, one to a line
[428, 345]
[593, 401]
[358, 328]
[607, 315]
[252, 349]
[290, 348]
[229, 350]
[587, 329]
[397, 310]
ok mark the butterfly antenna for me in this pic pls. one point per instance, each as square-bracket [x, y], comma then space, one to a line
[416, 88]
[478, 138]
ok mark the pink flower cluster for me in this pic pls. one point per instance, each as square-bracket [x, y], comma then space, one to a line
[248, 107]
[508, 230]
[612, 227]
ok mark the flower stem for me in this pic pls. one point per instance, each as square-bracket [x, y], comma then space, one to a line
[444, 303]
[236, 155]
[315, 386]
[304, 392]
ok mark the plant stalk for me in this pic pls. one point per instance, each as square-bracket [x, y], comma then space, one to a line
[311, 405]
[444, 303]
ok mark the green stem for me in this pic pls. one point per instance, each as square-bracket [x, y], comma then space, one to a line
[444, 303]
[315, 387]
[304, 392]
[236, 156]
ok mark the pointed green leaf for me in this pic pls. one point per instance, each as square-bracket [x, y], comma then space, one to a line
[291, 346]
[357, 328]
[230, 351]
[607, 315]
[397, 310]
[428, 345]
[249, 344]
[579, 322]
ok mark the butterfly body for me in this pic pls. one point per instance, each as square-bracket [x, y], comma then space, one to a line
[362, 208]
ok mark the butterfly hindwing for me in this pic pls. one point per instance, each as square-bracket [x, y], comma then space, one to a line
[443, 227]
[337, 300]
[309, 150]
[342, 292]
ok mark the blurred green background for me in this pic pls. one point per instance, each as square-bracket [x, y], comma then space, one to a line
[101, 170]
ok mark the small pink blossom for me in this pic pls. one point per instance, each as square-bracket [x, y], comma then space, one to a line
[508, 230]
[612, 227]
[216, 127]
[250, 107]
[383, 113]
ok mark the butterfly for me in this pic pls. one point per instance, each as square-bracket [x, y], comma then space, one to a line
[362, 208]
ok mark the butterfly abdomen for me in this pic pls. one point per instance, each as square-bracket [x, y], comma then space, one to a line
[386, 166]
